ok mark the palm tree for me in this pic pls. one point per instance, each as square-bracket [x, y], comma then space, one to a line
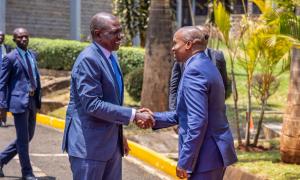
[289, 24]
[158, 59]
[222, 21]
[290, 133]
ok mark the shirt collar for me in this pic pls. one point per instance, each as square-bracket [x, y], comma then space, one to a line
[189, 59]
[205, 52]
[106, 52]
[21, 51]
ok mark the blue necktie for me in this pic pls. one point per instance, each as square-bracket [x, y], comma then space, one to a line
[30, 72]
[117, 73]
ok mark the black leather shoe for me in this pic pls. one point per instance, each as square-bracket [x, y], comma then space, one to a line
[29, 177]
[1, 171]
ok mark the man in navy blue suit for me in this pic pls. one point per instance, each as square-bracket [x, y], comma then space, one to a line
[205, 140]
[20, 93]
[93, 135]
[4, 49]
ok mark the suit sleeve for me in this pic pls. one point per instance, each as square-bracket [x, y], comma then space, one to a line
[174, 82]
[165, 119]
[5, 70]
[221, 65]
[89, 87]
[195, 92]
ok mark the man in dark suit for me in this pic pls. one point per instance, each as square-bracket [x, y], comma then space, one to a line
[20, 93]
[205, 141]
[4, 49]
[93, 135]
[217, 58]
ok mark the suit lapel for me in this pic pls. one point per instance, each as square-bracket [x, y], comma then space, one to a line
[22, 62]
[36, 69]
[108, 67]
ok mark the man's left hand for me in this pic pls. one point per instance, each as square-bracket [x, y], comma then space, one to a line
[126, 147]
[181, 173]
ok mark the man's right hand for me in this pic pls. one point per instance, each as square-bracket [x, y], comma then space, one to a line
[144, 120]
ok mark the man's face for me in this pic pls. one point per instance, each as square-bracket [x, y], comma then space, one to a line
[179, 47]
[111, 36]
[2, 37]
[21, 38]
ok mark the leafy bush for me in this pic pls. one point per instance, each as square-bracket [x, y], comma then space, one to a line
[134, 82]
[130, 59]
[61, 54]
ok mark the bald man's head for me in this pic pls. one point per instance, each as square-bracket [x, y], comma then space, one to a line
[106, 30]
[21, 38]
[187, 41]
[194, 35]
[101, 21]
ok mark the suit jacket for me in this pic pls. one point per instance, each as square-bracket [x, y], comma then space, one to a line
[95, 116]
[14, 83]
[205, 140]
[8, 48]
[217, 58]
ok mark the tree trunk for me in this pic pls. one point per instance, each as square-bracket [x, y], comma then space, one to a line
[158, 58]
[248, 114]
[290, 133]
[261, 117]
[235, 100]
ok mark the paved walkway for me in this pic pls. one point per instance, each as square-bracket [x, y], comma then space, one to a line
[50, 163]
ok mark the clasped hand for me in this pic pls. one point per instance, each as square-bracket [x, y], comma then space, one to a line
[144, 118]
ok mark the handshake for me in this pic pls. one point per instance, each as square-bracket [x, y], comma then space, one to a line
[144, 118]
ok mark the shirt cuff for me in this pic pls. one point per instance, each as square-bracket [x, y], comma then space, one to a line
[132, 114]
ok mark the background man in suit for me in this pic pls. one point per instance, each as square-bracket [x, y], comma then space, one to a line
[4, 49]
[93, 134]
[205, 140]
[20, 93]
[217, 58]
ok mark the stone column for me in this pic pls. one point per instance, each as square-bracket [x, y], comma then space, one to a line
[2, 15]
[75, 19]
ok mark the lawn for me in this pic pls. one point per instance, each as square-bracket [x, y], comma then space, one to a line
[267, 164]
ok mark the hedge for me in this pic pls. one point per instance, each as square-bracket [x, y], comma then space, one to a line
[60, 54]
[134, 83]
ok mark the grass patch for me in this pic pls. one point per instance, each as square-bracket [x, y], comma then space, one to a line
[267, 164]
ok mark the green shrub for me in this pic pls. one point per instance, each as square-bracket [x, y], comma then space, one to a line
[134, 82]
[61, 54]
[130, 59]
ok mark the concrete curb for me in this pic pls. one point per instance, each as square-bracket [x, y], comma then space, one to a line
[144, 154]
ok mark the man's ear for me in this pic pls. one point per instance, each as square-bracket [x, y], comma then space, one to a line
[188, 45]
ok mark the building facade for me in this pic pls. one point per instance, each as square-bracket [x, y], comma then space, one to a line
[50, 18]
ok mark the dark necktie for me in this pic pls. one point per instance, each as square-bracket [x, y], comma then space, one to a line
[117, 73]
[30, 72]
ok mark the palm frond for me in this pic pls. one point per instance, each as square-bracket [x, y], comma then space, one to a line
[222, 19]
[290, 25]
